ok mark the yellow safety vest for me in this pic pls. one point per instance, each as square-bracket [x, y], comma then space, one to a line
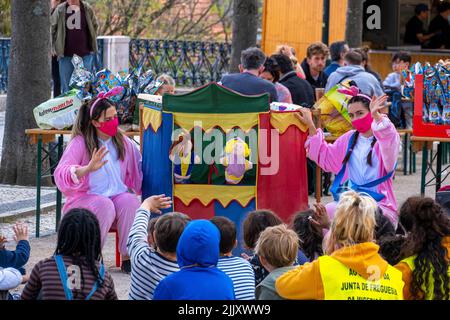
[342, 283]
[429, 292]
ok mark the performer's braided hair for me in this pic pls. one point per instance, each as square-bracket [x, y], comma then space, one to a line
[427, 224]
[366, 103]
[79, 238]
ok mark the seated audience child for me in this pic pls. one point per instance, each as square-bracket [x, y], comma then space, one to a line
[238, 269]
[149, 265]
[199, 278]
[10, 278]
[277, 249]
[256, 222]
[309, 227]
[352, 267]
[18, 258]
[426, 250]
[78, 258]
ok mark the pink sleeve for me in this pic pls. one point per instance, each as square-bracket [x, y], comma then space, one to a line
[133, 178]
[327, 156]
[388, 140]
[65, 177]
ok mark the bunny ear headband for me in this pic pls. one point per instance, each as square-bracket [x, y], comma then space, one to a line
[353, 92]
[105, 95]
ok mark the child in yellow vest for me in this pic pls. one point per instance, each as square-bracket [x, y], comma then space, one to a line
[425, 269]
[352, 268]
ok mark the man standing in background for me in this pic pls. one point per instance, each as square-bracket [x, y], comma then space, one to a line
[74, 31]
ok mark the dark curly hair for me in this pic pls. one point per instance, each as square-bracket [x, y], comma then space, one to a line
[310, 235]
[426, 224]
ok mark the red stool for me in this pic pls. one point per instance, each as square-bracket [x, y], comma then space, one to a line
[117, 247]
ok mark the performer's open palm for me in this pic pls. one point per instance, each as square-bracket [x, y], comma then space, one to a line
[97, 159]
[376, 105]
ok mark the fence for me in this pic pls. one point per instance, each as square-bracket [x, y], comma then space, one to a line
[5, 44]
[190, 63]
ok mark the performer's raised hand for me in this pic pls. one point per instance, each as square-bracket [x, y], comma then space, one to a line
[376, 105]
[155, 203]
[97, 159]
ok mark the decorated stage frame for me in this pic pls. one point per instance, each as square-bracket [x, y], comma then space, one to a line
[219, 153]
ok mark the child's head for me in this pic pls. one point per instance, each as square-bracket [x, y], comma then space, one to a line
[426, 224]
[390, 248]
[227, 230]
[353, 223]
[168, 229]
[199, 245]
[384, 226]
[277, 247]
[401, 61]
[79, 237]
[310, 235]
[168, 85]
[256, 222]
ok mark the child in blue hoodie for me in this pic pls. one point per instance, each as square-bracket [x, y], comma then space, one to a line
[198, 278]
[18, 258]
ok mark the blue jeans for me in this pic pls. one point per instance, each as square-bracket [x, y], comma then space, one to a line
[66, 69]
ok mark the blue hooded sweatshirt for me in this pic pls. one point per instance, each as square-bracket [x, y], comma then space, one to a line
[198, 278]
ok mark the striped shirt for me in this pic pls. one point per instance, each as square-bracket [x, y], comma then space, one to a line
[241, 273]
[148, 267]
[45, 283]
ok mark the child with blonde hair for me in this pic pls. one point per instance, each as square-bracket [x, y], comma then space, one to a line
[277, 249]
[352, 268]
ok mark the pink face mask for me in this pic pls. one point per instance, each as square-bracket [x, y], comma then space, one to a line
[109, 127]
[362, 125]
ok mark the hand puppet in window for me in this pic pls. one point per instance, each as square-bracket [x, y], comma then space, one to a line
[183, 157]
[236, 152]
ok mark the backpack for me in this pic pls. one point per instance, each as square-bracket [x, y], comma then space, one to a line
[396, 112]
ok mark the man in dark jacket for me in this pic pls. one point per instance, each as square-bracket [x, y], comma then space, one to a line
[301, 91]
[314, 65]
[248, 81]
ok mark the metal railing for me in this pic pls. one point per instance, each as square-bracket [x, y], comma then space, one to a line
[190, 63]
[4, 61]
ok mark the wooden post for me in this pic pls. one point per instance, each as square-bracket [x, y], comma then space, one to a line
[316, 117]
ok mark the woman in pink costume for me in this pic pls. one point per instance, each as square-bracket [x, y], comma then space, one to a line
[100, 168]
[363, 159]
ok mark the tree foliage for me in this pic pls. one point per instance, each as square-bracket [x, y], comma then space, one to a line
[5, 18]
[168, 19]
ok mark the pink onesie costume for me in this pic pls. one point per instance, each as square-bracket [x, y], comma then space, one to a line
[115, 212]
[330, 157]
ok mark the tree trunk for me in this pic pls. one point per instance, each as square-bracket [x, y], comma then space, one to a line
[354, 26]
[29, 77]
[245, 29]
